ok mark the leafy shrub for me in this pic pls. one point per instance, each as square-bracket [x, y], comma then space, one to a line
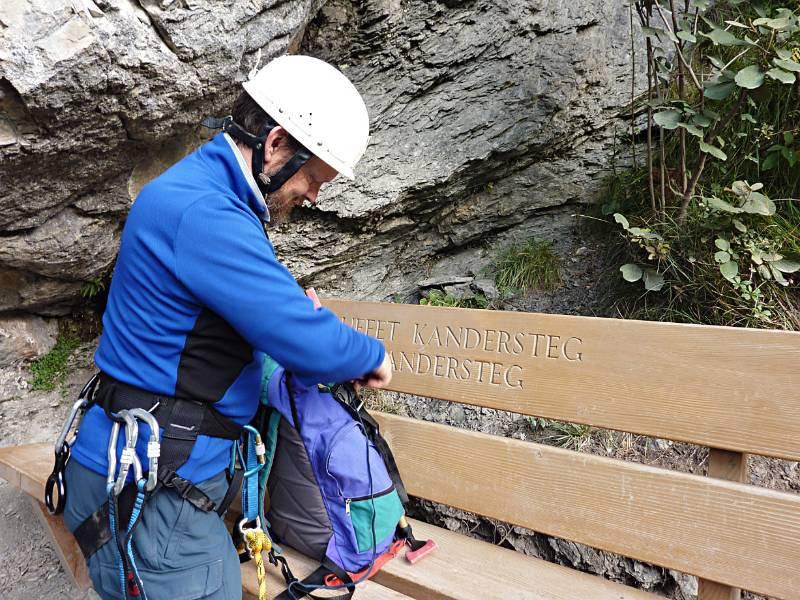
[712, 220]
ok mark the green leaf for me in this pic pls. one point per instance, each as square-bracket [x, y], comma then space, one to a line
[719, 204]
[778, 276]
[719, 63]
[784, 53]
[786, 266]
[789, 155]
[653, 280]
[764, 271]
[722, 37]
[786, 65]
[621, 220]
[781, 75]
[779, 24]
[713, 151]
[701, 120]
[737, 24]
[722, 256]
[771, 161]
[759, 204]
[788, 138]
[702, 4]
[631, 272]
[652, 32]
[722, 244]
[718, 91]
[739, 225]
[729, 269]
[686, 36]
[748, 117]
[692, 129]
[750, 77]
[668, 119]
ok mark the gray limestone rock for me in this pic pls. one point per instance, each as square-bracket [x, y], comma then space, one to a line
[24, 337]
[70, 246]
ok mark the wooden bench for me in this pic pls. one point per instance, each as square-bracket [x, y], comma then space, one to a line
[736, 391]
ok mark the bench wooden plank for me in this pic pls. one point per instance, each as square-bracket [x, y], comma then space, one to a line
[468, 569]
[731, 388]
[731, 533]
[450, 573]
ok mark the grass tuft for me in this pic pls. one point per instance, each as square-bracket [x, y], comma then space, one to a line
[529, 266]
[439, 298]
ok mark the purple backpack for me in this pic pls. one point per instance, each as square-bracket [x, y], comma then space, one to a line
[334, 490]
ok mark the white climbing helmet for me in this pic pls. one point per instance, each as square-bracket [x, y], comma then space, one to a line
[317, 105]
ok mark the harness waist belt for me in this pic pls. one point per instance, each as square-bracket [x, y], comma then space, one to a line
[180, 418]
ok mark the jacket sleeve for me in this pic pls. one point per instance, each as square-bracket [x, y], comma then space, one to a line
[224, 259]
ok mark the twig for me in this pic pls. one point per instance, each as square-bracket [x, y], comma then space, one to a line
[687, 196]
[678, 49]
[633, 88]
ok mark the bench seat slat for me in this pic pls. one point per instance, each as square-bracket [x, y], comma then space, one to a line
[730, 388]
[464, 568]
[732, 533]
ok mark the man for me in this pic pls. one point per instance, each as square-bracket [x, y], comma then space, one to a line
[196, 299]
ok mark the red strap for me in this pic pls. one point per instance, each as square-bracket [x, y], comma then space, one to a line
[380, 561]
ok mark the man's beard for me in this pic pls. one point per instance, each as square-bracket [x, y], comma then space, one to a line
[279, 211]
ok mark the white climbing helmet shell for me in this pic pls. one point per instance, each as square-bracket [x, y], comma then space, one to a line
[317, 105]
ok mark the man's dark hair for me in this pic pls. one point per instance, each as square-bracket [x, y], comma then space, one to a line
[247, 113]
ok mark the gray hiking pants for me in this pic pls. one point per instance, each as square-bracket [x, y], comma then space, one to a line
[182, 553]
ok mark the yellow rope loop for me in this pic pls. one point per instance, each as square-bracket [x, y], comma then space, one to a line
[258, 542]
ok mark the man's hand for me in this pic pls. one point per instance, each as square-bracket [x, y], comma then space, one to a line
[379, 378]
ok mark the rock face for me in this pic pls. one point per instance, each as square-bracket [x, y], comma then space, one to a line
[88, 90]
[491, 121]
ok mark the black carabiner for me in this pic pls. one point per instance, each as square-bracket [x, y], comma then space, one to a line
[56, 478]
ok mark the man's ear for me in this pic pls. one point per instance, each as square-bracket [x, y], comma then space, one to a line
[277, 138]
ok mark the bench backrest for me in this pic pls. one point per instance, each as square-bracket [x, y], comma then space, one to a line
[736, 390]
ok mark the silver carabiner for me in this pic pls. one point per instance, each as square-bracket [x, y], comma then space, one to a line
[78, 407]
[153, 445]
[112, 453]
[129, 456]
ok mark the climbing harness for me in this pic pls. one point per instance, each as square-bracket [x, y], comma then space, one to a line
[62, 450]
[181, 422]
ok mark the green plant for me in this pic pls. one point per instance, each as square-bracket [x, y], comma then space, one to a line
[93, 287]
[710, 246]
[532, 265]
[573, 436]
[50, 369]
[439, 298]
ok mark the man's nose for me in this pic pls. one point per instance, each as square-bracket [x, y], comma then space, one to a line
[312, 194]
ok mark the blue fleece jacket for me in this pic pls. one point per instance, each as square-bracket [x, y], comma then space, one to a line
[196, 299]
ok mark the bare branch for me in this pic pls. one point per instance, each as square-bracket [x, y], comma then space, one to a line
[678, 49]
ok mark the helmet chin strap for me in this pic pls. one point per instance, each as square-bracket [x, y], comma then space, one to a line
[266, 183]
